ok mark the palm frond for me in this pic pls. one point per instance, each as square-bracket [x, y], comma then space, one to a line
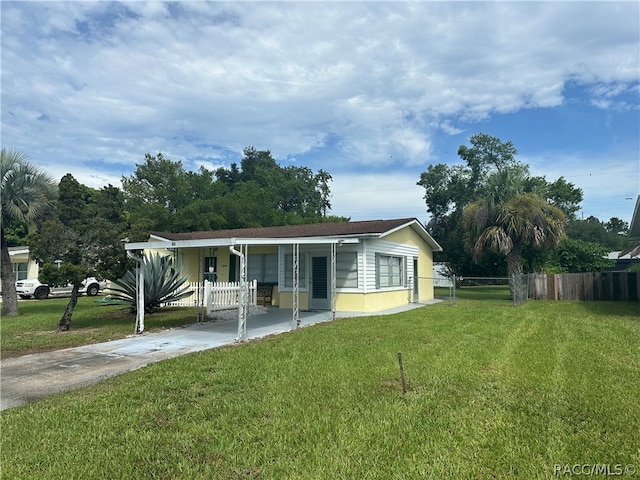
[27, 192]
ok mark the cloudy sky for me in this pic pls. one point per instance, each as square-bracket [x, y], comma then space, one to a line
[372, 92]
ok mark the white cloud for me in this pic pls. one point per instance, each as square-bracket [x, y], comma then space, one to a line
[372, 84]
[367, 196]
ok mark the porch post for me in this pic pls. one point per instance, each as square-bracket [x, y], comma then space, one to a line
[296, 285]
[140, 300]
[139, 328]
[242, 296]
[333, 280]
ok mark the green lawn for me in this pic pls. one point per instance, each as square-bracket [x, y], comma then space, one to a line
[494, 392]
[35, 329]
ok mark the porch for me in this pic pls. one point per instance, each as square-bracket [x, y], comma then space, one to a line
[264, 321]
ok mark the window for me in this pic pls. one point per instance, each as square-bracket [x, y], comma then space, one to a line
[211, 269]
[288, 270]
[20, 271]
[263, 267]
[390, 271]
[347, 270]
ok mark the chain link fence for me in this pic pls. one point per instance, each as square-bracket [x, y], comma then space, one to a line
[508, 291]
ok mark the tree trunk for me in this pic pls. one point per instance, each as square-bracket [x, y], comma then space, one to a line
[9, 295]
[514, 269]
[65, 322]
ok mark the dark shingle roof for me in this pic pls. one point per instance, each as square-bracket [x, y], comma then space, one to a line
[332, 229]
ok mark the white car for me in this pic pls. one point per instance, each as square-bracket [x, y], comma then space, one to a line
[32, 287]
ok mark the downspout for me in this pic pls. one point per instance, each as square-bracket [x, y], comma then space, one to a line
[242, 297]
[139, 292]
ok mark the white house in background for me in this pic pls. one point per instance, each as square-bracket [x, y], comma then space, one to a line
[440, 278]
[23, 265]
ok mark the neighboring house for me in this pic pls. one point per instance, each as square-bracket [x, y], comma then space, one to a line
[634, 231]
[622, 261]
[365, 266]
[23, 265]
[440, 275]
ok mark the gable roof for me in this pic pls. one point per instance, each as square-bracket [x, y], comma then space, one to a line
[373, 228]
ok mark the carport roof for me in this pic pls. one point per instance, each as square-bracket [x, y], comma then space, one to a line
[376, 228]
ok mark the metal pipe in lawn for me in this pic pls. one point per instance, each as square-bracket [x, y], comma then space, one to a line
[402, 379]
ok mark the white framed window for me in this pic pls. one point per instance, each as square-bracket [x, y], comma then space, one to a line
[347, 270]
[288, 270]
[20, 271]
[390, 271]
[263, 267]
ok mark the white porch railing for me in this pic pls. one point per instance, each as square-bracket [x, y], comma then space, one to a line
[216, 295]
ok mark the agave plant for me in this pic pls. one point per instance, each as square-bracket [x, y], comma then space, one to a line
[162, 283]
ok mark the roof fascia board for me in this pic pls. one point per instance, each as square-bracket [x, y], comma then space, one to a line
[169, 244]
[158, 237]
[291, 241]
[226, 242]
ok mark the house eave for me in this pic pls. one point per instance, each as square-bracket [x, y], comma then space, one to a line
[634, 227]
[228, 242]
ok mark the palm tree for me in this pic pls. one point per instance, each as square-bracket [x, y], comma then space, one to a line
[509, 225]
[26, 196]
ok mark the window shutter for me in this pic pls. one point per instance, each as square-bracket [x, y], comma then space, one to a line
[377, 271]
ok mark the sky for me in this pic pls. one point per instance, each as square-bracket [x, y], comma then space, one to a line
[372, 92]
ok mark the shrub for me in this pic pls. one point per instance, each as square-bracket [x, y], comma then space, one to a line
[162, 283]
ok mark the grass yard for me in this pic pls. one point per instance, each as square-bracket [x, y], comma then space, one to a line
[34, 330]
[494, 392]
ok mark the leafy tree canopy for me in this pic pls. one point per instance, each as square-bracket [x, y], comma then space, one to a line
[161, 195]
[490, 170]
[611, 235]
[84, 238]
[576, 256]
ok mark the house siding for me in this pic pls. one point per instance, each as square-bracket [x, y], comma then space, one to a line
[383, 247]
[408, 236]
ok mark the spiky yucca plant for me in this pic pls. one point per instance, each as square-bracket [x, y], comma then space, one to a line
[162, 283]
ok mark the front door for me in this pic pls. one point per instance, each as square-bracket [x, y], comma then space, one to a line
[320, 296]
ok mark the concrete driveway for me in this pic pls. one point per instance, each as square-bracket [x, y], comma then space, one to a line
[39, 375]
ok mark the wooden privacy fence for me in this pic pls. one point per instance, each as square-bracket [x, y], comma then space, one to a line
[216, 295]
[618, 286]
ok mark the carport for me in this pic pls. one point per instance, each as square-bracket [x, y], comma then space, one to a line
[240, 247]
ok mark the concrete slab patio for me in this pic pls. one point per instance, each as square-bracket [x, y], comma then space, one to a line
[32, 377]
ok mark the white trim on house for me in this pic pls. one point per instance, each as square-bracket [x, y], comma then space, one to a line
[229, 242]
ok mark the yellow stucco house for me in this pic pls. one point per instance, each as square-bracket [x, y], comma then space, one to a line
[364, 266]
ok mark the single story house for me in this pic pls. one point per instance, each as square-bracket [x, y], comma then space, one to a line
[23, 265]
[364, 266]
